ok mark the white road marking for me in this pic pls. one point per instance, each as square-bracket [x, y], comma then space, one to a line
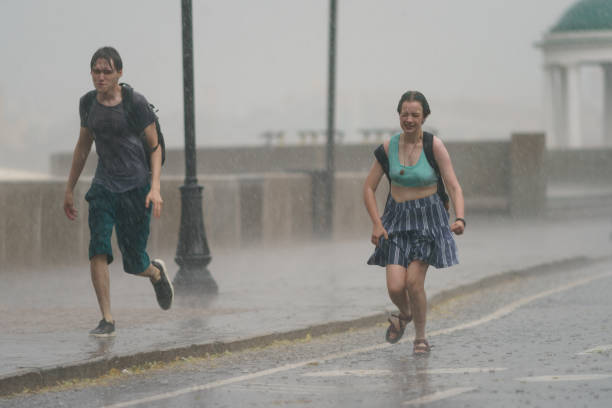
[220, 383]
[555, 378]
[275, 388]
[599, 349]
[246, 377]
[341, 373]
[506, 310]
[466, 370]
[433, 371]
[437, 396]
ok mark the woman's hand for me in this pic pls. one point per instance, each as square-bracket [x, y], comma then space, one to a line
[458, 227]
[377, 232]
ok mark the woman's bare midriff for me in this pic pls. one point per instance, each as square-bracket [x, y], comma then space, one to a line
[400, 193]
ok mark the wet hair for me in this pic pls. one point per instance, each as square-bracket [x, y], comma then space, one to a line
[108, 54]
[411, 96]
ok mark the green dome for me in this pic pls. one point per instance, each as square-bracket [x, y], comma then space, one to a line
[586, 15]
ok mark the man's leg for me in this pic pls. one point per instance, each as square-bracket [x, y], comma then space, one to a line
[101, 221]
[164, 291]
[101, 283]
[153, 273]
[132, 227]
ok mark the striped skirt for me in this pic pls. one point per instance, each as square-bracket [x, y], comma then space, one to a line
[417, 229]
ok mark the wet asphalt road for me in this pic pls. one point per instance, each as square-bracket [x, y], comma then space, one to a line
[543, 341]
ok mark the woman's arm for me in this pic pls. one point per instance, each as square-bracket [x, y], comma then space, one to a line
[369, 198]
[452, 184]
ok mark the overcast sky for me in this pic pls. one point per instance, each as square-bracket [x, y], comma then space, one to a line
[262, 65]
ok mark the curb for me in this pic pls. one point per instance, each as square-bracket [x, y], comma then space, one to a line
[50, 376]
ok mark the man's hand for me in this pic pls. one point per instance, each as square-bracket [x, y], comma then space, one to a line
[154, 197]
[69, 209]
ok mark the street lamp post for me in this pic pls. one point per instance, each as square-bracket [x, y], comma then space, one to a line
[192, 253]
[331, 100]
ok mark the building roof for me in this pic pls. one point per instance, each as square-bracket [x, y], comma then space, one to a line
[586, 15]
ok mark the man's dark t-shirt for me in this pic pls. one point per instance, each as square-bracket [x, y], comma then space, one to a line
[122, 164]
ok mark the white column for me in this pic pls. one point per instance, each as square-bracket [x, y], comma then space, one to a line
[607, 104]
[555, 105]
[552, 138]
[559, 105]
[574, 125]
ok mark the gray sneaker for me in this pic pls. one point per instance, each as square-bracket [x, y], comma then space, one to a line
[104, 329]
[163, 287]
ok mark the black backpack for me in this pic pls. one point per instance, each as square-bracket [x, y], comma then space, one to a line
[127, 95]
[382, 158]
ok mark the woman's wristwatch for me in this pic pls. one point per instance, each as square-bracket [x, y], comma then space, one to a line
[462, 220]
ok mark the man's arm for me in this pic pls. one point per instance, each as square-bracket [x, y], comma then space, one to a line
[79, 158]
[154, 195]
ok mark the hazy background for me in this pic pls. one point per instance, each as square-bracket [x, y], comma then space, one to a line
[262, 65]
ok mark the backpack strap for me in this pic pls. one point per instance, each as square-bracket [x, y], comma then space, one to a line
[428, 148]
[88, 101]
[383, 160]
[127, 96]
[160, 137]
[431, 158]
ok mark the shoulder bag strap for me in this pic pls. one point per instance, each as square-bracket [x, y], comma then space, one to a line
[431, 158]
[382, 158]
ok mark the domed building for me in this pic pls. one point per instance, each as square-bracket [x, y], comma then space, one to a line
[581, 38]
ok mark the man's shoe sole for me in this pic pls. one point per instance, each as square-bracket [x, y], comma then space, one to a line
[163, 270]
[102, 335]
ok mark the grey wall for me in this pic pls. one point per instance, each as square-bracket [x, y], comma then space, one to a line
[349, 157]
[263, 208]
[591, 166]
[258, 209]
[476, 163]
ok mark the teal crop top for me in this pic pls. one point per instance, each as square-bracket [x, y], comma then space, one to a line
[419, 175]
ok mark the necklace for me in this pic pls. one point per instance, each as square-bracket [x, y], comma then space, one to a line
[407, 154]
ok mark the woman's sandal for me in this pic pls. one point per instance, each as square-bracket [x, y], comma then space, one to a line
[394, 334]
[421, 346]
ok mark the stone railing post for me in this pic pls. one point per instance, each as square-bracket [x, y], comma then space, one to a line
[527, 177]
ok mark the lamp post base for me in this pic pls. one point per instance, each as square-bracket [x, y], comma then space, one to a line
[193, 255]
[194, 279]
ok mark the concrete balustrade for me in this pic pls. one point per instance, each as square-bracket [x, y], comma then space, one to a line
[259, 209]
[278, 207]
[527, 179]
[33, 228]
[483, 167]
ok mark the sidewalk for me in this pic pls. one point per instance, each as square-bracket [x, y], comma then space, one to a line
[45, 316]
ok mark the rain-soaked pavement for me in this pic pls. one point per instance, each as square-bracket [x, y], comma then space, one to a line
[539, 341]
[45, 315]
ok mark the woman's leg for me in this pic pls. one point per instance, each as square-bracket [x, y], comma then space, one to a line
[396, 286]
[415, 283]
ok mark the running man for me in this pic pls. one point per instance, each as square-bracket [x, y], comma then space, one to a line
[124, 190]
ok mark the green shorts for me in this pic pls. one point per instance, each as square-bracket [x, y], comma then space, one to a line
[128, 214]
